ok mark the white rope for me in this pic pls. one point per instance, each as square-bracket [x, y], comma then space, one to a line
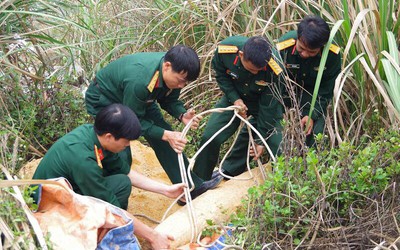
[259, 163]
[251, 141]
[187, 179]
[184, 175]
[247, 159]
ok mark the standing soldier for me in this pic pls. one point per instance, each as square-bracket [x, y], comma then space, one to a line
[301, 53]
[245, 72]
[145, 82]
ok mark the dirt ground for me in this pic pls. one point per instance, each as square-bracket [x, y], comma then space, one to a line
[149, 204]
[140, 202]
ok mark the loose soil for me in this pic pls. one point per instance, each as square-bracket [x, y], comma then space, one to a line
[143, 202]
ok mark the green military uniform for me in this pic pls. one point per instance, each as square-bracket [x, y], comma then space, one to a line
[98, 173]
[136, 81]
[255, 91]
[304, 72]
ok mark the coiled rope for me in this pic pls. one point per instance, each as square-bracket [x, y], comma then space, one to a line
[187, 179]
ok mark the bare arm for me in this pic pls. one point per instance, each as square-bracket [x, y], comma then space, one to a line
[143, 182]
[156, 239]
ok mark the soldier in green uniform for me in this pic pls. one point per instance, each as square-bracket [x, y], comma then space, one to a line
[88, 157]
[301, 53]
[246, 73]
[145, 82]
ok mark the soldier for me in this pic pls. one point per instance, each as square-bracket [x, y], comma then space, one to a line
[301, 53]
[88, 157]
[144, 82]
[245, 72]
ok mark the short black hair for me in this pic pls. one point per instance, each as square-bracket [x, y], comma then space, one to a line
[118, 120]
[184, 59]
[313, 31]
[257, 50]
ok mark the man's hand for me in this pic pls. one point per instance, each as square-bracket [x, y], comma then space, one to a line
[157, 240]
[186, 117]
[173, 191]
[243, 107]
[303, 123]
[258, 152]
[175, 141]
[160, 241]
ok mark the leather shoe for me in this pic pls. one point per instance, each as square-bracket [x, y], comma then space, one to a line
[181, 203]
[216, 174]
[211, 184]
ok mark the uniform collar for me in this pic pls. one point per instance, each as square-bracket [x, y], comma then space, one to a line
[98, 150]
[294, 50]
[239, 64]
[95, 139]
[160, 82]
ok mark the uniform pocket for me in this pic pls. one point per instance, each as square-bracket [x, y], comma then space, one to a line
[259, 86]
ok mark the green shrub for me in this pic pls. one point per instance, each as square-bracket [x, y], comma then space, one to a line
[328, 187]
[39, 115]
[15, 220]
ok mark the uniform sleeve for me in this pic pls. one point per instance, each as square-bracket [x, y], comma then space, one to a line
[325, 92]
[223, 79]
[88, 176]
[172, 104]
[135, 97]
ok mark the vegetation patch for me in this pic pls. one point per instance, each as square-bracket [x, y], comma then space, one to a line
[339, 198]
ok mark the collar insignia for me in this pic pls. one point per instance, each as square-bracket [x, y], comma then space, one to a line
[99, 155]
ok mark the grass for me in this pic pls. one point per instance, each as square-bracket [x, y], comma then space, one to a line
[51, 49]
[336, 199]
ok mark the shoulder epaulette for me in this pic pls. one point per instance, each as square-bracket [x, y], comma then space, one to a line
[335, 49]
[227, 49]
[275, 66]
[285, 44]
[153, 81]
